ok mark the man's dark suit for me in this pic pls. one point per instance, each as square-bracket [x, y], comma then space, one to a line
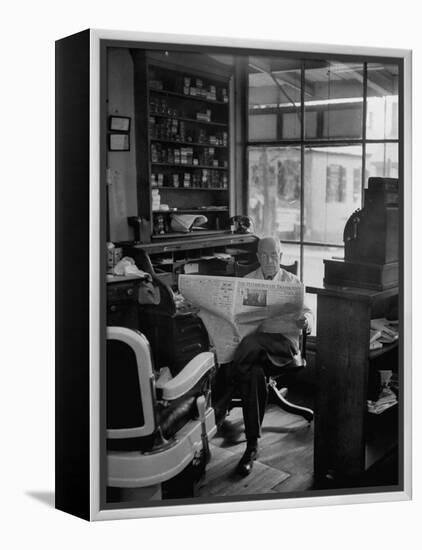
[259, 355]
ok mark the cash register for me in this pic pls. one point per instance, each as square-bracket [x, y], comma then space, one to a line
[371, 241]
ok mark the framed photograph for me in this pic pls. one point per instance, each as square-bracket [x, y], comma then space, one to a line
[119, 123]
[225, 369]
[119, 142]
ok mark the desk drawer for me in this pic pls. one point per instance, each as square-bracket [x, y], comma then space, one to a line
[190, 349]
[186, 326]
[122, 292]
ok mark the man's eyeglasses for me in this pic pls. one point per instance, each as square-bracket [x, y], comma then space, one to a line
[267, 257]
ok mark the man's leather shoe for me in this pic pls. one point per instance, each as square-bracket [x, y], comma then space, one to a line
[245, 464]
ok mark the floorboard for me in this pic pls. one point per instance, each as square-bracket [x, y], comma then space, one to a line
[221, 479]
[284, 464]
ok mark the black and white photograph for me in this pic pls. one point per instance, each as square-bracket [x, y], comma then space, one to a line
[175, 163]
[246, 284]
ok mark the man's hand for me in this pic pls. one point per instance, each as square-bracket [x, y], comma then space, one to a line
[302, 322]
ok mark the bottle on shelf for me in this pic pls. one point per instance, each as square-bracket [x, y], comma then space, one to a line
[175, 178]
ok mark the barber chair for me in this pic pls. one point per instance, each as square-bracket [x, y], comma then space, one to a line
[155, 429]
[277, 392]
[166, 321]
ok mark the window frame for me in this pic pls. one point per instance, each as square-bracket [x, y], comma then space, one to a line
[303, 143]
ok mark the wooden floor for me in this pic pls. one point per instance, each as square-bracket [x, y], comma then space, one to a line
[285, 461]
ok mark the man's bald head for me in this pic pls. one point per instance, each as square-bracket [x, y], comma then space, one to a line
[269, 256]
[269, 245]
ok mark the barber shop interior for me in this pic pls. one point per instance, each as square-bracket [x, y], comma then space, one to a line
[252, 246]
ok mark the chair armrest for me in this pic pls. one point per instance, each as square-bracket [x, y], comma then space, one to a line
[189, 376]
[305, 335]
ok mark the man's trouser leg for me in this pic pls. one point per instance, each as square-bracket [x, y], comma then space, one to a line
[250, 364]
[254, 393]
[250, 375]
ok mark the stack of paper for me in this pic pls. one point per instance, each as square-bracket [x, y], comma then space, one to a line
[374, 335]
[383, 331]
[386, 397]
[386, 400]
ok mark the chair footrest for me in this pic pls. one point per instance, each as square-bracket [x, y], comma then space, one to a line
[134, 469]
[281, 401]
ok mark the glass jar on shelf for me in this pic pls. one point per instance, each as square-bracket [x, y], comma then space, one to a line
[175, 180]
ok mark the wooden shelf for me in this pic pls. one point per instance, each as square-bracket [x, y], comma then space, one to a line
[193, 210]
[382, 434]
[187, 96]
[189, 166]
[374, 353]
[188, 260]
[196, 121]
[188, 143]
[223, 239]
[353, 293]
[379, 415]
[195, 233]
[188, 188]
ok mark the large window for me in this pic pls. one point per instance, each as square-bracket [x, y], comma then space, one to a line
[275, 191]
[329, 192]
[317, 130]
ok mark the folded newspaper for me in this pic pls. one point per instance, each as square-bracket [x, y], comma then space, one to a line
[187, 222]
[233, 307]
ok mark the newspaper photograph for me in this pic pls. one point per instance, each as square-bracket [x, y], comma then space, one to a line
[232, 308]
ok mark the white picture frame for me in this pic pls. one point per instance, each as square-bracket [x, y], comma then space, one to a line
[93, 507]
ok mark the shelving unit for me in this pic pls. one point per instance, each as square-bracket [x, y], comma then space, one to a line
[189, 166]
[195, 144]
[348, 439]
[182, 119]
[192, 97]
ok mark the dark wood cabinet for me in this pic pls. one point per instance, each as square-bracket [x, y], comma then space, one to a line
[347, 438]
[122, 302]
[175, 339]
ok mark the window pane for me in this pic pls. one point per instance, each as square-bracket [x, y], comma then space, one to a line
[382, 120]
[332, 191]
[382, 160]
[291, 254]
[313, 271]
[333, 100]
[274, 98]
[274, 191]
[263, 127]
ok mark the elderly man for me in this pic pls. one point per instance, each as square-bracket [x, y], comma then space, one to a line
[263, 353]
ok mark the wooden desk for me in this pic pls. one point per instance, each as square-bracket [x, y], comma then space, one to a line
[172, 255]
[343, 362]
